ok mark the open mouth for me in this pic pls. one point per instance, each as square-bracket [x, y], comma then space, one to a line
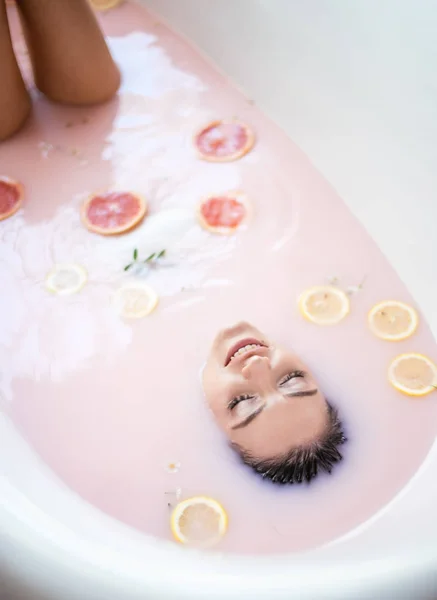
[242, 347]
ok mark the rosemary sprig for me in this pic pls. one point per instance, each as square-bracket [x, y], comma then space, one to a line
[150, 259]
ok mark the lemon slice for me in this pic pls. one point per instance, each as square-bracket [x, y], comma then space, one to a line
[104, 4]
[413, 374]
[324, 305]
[135, 300]
[66, 279]
[199, 521]
[392, 320]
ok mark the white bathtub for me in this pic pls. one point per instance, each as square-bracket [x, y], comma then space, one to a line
[355, 86]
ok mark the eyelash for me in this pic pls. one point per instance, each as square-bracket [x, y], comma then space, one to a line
[292, 375]
[233, 403]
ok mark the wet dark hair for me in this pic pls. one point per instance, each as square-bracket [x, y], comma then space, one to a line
[302, 463]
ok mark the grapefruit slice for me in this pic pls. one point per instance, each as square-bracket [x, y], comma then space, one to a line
[413, 374]
[11, 197]
[199, 521]
[102, 5]
[223, 213]
[393, 320]
[66, 279]
[222, 141]
[324, 305]
[135, 300]
[111, 213]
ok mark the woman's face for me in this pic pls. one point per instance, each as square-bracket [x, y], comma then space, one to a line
[262, 395]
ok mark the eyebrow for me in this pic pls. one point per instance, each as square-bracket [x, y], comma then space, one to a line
[259, 410]
[302, 393]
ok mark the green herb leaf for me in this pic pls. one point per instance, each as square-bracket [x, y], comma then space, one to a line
[135, 254]
[127, 267]
[161, 254]
[151, 257]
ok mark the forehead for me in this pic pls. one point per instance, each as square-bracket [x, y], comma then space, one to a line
[276, 430]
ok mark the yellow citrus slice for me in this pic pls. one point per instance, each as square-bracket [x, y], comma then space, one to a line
[223, 141]
[392, 320]
[135, 300]
[66, 279]
[199, 521]
[324, 305]
[223, 213]
[413, 374]
[104, 4]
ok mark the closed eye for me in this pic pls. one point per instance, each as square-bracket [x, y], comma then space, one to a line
[292, 375]
[235, 401]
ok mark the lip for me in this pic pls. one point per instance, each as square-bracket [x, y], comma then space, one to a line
[241, 344]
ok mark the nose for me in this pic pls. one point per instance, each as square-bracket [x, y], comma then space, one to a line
[257, 370]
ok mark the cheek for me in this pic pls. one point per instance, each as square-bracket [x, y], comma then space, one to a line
[217, 351]
[216, 396]
[211, 382]
[213, 401]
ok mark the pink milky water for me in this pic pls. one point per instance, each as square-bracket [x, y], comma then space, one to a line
[109, 403]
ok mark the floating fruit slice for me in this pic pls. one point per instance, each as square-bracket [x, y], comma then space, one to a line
[199, 521]
[11, 197]
[413, 374]
[111, 213]
[104, 4]
[223, 213]
[135, 300]
[222, 141]
[392, 320]
[66, 279]
[324, 305]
